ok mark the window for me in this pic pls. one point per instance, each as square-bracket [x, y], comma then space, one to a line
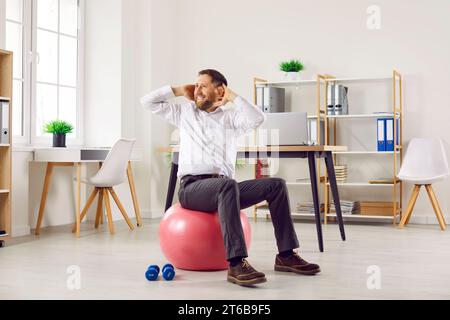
[14, 43]
[47, 42]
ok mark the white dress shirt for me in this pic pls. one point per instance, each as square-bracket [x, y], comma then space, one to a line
[208, 141]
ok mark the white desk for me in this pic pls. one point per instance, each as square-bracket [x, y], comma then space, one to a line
[75, 157]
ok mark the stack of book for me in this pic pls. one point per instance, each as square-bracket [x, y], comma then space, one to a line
[308, 208]
[348, 207]
[341, 173]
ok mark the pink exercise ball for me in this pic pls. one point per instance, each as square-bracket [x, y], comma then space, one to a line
[193, 241]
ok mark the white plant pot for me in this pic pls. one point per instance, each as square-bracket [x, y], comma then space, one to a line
[293, 76]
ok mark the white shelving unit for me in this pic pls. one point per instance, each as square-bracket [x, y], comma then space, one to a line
[322, 82]
[331, 123]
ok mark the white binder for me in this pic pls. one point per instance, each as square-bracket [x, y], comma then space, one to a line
[4, 121]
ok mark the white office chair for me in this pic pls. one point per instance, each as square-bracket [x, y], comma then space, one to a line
[425, 163]
[111, 174]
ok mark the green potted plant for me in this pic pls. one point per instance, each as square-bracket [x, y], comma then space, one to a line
[59, 129]
[292, 69]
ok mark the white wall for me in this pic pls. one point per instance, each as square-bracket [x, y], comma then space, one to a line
[246, 39]
[103, 72]
[2, 23]
[20, 188]
[133, 47]
[149, 58]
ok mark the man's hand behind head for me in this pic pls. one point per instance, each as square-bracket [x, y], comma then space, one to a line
[186, 91]
[228, 96]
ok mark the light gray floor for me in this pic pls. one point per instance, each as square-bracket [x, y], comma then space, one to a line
[414, 264]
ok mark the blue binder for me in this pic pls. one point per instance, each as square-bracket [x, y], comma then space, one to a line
[381, 135]
[398, 131]
[390, 135]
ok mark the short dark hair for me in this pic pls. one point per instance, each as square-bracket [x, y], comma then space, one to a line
[217, 78]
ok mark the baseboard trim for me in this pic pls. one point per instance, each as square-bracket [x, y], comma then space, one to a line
[153, 214]
[146, 214]
[427, 220]
[20, 231]
[157, 214]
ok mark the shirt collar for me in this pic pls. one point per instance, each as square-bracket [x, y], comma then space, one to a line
[218, 110]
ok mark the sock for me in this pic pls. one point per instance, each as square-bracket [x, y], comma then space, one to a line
[286, 254]
[235, 261]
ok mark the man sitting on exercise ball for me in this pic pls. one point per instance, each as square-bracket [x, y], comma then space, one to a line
[208, 151]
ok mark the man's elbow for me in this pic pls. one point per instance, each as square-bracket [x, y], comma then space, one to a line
[148, 103]
[261, 120]
[145, 101]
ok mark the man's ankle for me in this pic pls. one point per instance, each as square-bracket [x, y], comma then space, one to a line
[235, 261]
[286, 254]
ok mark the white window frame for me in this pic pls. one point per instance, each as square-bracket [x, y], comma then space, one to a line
[26, 40]
[79, 139]
[29, 74]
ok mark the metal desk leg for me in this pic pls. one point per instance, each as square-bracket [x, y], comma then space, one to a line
[315, 192]
[172, 185]
[335, 191]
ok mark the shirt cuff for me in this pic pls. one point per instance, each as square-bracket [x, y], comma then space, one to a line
[163, 94]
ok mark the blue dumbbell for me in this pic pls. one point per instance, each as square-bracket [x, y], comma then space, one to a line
[168, 272]
[152, 273]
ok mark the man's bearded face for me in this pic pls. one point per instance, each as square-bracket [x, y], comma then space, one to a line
[206, 94]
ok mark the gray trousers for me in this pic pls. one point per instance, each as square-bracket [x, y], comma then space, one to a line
[228, 198]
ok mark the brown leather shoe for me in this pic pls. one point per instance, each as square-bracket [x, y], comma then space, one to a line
[245, 275]
[296, 264]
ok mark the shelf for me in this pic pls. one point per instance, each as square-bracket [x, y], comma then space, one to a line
[4, 236]
[314, 81]
[286, 83]
[360, 79]
[303, 215]
[364, 184]
[348, 184]
[361, 217]
[5, 99]
[2, 191]
[3, 145]
[298, 183]
[355, 217]
[364, 116]
[364, 152]
[358, 116]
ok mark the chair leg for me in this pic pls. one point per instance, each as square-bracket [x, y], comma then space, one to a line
[99, 208]
[121, 208]
[410, 214]
[108, 211]
[436, 207]
[409, 210]
[86, 208]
